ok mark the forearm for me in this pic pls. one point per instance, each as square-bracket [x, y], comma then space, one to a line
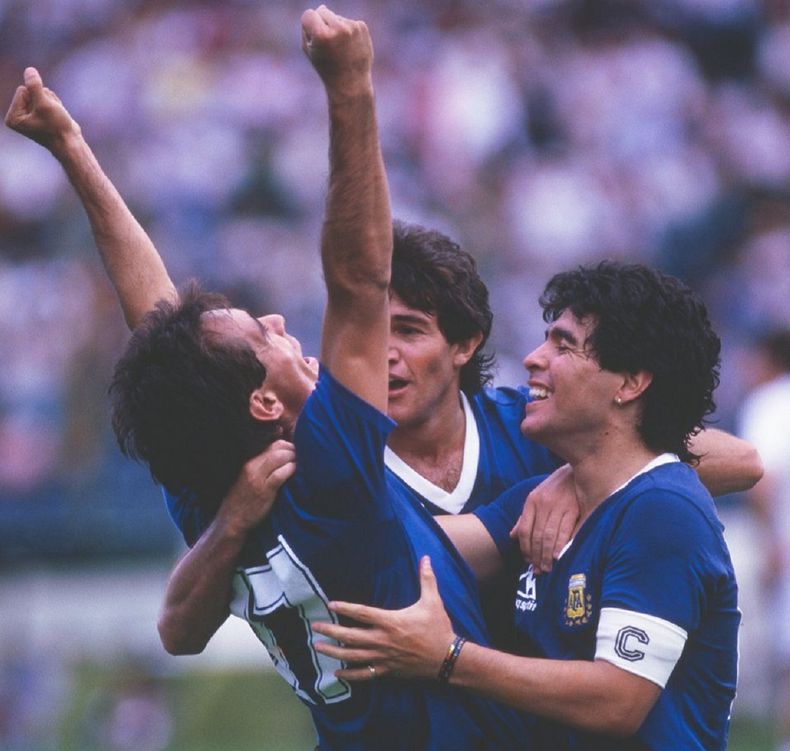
[474, 543]
[357, 233]
[132, 262]
[199, 591]
[727, 464]
[594, 696]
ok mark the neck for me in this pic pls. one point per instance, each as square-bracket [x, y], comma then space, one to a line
[433, 439]
[605, 467]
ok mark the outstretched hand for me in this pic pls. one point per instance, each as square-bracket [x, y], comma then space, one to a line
[408, 643]
[339, 49]
[251, 497]
[38, 113]
[547, 522]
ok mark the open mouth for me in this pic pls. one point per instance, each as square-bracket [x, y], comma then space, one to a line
[396, 384]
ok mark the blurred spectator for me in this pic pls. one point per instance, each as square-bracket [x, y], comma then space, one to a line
[765, 422]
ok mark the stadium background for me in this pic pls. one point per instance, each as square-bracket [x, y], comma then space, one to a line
[540, 133]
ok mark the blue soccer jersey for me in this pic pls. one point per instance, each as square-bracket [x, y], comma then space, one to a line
[647, 584]
[338, 532]
[496, 456]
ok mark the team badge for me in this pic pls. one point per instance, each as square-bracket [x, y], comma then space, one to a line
[578, 604]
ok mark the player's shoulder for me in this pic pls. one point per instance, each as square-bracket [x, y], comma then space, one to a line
[672, 497]
[502, 396]
[332, 405]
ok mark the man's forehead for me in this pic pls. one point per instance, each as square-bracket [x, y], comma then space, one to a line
[572, 326]
[399, 309]
[226, 321]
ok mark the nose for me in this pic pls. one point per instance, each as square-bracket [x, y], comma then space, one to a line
[393, 353]
[274, 322]
[536, 359]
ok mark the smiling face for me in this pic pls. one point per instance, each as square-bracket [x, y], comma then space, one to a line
[290, 376]
[423, 366]
[572, 396]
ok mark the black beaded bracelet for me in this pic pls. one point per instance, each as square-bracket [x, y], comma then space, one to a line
[450, 658]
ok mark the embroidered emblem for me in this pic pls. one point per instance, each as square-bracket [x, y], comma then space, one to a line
[527, 593]
[578, 603]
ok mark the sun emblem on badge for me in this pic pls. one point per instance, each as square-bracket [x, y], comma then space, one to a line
[578, 603]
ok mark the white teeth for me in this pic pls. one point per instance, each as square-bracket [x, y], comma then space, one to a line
[538, 392]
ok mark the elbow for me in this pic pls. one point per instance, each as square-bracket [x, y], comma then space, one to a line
[176, 641]
[755, 468]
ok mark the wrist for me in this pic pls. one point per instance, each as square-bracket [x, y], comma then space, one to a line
[67, 144]
[230, 527]
[450, 658]
[350, 91]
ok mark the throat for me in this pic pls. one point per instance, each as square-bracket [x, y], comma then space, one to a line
[442, 470]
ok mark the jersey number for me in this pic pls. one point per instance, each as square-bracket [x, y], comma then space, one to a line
[280, 601]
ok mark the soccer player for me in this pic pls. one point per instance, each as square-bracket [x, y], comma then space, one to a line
[632, 637]
[203, 387]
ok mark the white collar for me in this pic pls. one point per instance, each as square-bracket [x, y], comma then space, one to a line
[452, 502]
[666, 458]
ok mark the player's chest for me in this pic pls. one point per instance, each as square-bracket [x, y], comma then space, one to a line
[557, 613]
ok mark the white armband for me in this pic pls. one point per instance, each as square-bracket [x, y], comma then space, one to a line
[641, 644]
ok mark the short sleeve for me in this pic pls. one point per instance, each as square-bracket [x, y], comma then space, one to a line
[499, 516]
[340, 442]
[663, 555]
[186, 514]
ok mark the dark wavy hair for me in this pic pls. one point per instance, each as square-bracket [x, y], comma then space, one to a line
[180, 399]
[646, 320]
[432, 274]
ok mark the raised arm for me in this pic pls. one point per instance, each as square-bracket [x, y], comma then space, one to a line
[356, 242]
[130, 258]
[728, 464]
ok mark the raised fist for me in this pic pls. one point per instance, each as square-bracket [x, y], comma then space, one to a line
[339, 48]
[38, 113]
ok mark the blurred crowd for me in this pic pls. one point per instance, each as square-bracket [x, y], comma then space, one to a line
[539, 133]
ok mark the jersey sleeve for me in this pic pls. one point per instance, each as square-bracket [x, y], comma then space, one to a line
[186, 514]
[499, 516]
[660, 566]
[340, 442]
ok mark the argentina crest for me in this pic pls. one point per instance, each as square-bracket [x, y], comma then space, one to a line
[578, 601]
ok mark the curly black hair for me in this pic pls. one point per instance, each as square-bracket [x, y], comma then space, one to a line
[180, 400]
[646, 320]
[431, 273]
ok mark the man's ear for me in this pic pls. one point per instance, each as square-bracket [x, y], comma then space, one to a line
[265, 406]
[465, 349]
[634, 385]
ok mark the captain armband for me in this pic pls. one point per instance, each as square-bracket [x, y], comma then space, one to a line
[641, 644]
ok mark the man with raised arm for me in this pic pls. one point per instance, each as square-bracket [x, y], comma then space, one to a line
[202, 388]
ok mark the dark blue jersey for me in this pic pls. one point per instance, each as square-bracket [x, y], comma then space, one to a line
[648, 575]
[339, 531]
[496, 456]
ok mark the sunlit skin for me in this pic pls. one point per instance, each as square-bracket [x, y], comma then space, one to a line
[572, 396]
[423, 366]
[290, 376]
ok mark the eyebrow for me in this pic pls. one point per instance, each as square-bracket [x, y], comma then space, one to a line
[558, 332]
[264, 331]
[423, 318]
